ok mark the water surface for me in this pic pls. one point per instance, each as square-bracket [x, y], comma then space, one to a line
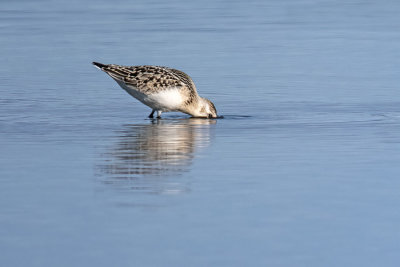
[301, 171]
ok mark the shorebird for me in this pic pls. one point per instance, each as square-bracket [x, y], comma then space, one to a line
[163, 89]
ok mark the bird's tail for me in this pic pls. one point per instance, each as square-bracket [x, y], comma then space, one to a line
[118, 73]
[99, 65]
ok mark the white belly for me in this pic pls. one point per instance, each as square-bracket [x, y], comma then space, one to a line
[166, 100]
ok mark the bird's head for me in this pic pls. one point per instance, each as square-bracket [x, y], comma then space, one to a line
[205, 109]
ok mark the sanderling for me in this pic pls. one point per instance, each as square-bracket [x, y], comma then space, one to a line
[161, 88]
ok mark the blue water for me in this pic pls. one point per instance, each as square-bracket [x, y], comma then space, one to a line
[303, 170]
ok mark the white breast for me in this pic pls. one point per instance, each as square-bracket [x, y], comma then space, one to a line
[166, 100]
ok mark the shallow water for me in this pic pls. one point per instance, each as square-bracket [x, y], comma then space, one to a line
[301, 171]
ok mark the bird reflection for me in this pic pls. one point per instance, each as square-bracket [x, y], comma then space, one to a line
[150, 157]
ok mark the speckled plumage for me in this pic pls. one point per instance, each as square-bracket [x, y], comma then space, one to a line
[148, 83]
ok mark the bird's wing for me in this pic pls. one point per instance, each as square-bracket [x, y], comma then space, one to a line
[146, 78]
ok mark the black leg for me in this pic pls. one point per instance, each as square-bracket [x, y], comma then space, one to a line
[152, 113]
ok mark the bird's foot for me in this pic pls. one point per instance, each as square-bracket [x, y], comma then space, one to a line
[152, 114]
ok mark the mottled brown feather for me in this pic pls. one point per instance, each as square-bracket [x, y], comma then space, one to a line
[153, 79]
